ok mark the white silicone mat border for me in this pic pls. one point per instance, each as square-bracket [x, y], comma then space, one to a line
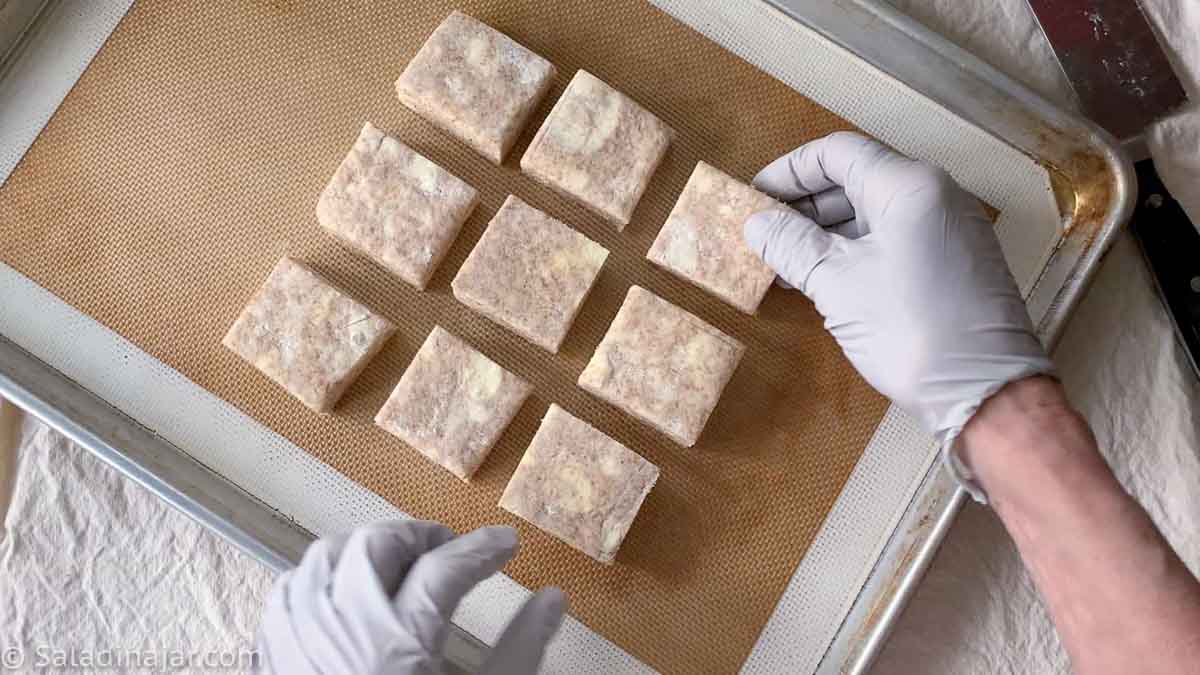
[285, 476]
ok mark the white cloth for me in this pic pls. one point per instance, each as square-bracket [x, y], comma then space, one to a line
[90, 560]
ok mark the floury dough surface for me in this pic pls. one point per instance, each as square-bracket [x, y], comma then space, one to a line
[394, 205]
[663, 365]
[476, 83]
[599, 147]
[702, 243]
[452, 403]
[530, 273]
[579, 485]
[308, 336]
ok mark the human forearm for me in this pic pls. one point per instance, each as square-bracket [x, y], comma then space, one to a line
[1120, 597]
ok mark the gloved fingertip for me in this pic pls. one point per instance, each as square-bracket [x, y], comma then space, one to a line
[501, 536]
[545, 611]
[761, 181]
[788, 242]
[756, 231]
[500, 542]
[767, 231]
[540, 617]
[522, 644]
[552, 600]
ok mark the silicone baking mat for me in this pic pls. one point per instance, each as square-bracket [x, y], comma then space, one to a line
[189, 157]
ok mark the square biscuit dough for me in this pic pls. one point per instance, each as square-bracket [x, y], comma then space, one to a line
[530, 273]
[476, 83]
[579, 485]
[599, 147]
[663, 365]
[307, 335]
[396, 206]
[452, 403]
[702, 241]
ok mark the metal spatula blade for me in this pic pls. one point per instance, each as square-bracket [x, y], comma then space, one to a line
[1108, 50]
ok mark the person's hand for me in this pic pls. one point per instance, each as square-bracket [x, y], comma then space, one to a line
[380, 600]
[906, 269]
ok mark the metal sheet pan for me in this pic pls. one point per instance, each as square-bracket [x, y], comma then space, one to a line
[1095, 189]
[16, 17]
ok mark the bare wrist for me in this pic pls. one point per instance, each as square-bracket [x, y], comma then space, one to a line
[1037, 402]
[1026, 432]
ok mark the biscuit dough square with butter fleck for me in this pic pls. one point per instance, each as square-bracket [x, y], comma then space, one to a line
[579, 485]
[452, 403]
[662, 365]
[599, 147]
[529, 273]
[702, 242]
[476, 83]
[307, 335]
[395, 206]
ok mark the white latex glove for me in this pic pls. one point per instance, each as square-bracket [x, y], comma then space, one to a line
[380, 600]
[906, 269]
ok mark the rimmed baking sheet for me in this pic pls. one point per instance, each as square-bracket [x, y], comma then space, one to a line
[819, 57]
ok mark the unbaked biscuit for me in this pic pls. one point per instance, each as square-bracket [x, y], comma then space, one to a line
[476, 83]
[599, 147]
[663, 365]
[396, 206]
[702, 240]
[307, 335]
[452, 403]
[579, 485]
[530, 273]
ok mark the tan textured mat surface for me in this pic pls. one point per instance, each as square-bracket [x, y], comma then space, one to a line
[189, 158]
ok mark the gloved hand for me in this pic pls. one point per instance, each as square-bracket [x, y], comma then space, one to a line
[380, 600]
[906, 269]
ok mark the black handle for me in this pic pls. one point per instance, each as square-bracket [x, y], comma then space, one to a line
[1171, 245]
